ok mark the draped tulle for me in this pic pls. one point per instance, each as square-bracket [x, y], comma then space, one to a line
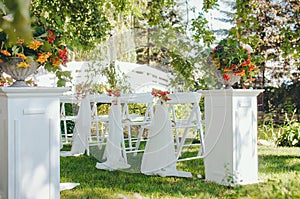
[114, 153]
[159, 157]
[81, 130]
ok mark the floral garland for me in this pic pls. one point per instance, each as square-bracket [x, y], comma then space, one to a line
[116, 92]
[161, 95]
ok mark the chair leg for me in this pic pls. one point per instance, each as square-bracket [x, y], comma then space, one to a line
[123, 148]
[179, 149]
[202, 149]
[138, 142]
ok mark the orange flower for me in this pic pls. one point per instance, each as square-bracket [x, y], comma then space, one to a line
[218, 64]
[42, 57]
[116, 92]
[21, 55]
[35, 44]
[56, 62]
[227, 70]
[5, 52]
[234, 66]
[23, 65]
[252, 67]
[240, 73]
[166, 98]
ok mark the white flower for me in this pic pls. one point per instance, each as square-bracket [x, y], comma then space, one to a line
[9, 17]
[247, 48]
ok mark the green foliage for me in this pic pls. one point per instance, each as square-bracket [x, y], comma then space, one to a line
[272, 29]
[139, 109]
[209, 4]
[284, 99]
[267, 130]
[201, 30]
[289, 133]
[81, 24]
[17, 25]
[115, 78]
[154, 14]
[286, 133]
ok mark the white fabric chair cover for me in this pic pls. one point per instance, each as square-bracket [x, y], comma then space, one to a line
[81, 131]
[114, 153]
[159, 156]
[192, 121]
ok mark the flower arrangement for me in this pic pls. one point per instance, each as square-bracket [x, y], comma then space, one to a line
[162, 95]
[116, 92]
[230, 56]
[44, 48]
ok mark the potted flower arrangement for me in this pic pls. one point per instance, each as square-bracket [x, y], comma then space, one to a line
[233, 61]
[22, 55]
[21, 58]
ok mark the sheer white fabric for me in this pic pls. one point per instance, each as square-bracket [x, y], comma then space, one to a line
[159, 157]
[81, 131]
[114, 151]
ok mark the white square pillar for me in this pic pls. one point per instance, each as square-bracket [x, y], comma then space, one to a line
[29, 142]
[231, 136]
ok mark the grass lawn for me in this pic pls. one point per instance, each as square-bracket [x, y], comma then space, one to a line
[279, 171]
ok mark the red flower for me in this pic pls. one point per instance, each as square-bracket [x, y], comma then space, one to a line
[234, 66]
[246, 63]
[51, 36]
[252, 67]
[20, 41]
[109, 92]
[116, 94]
[226, 77]
[63, 55]
[167, 99]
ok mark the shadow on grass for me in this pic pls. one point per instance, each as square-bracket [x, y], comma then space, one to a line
[95, 183]
[279, 163]
[82, 169]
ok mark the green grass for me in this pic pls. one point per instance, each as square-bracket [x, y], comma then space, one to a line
[279, 172]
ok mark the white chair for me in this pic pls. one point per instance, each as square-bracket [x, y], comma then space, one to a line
[99, 122]
[139, 120]
[183, 122]
[187, 119]
[65, 116]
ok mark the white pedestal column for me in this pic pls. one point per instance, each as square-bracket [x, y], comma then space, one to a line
[231, 136]
[29, 142]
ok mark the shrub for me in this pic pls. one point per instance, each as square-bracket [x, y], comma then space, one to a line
[289, 133]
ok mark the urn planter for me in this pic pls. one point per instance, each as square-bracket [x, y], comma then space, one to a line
[19, 74]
